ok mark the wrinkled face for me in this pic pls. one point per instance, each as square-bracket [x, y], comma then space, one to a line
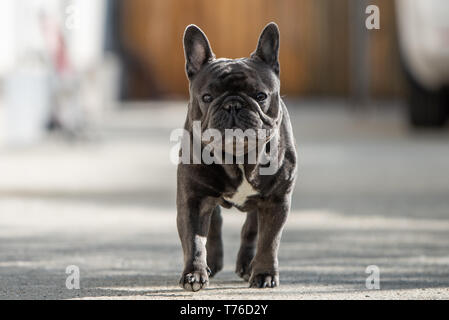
[233, 94]
[236, 94]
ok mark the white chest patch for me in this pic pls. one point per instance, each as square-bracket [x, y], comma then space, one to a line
[243, 191]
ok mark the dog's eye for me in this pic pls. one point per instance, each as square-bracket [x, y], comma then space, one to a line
[261, 96]
[207, 98]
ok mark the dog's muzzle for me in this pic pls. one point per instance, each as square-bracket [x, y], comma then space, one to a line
[233, 103]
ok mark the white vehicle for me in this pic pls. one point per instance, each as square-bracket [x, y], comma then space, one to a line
[423, 29]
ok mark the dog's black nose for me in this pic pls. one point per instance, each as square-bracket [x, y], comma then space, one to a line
[233, 105]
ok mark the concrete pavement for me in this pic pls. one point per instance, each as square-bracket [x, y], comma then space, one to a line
[370, 192]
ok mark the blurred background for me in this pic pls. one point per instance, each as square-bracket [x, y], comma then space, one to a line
[78, 58]
[91, 89]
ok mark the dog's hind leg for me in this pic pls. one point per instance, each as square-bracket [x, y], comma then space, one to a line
[247, 246]
[214, 245]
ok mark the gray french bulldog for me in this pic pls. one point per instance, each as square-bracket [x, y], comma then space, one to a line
[229, 94]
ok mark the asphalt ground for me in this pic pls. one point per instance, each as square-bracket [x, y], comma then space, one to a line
[370, 192]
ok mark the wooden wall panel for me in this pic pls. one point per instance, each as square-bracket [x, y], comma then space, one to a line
[386, 75]
[314, 41]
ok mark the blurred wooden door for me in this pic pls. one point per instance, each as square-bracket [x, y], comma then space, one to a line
[314, 41]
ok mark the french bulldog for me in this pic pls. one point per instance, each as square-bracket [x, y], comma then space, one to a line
[235, 94]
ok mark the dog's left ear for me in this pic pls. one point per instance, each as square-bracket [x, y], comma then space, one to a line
[197, 50]
[268, 46]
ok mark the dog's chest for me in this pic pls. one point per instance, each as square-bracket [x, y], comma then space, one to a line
[242, 193]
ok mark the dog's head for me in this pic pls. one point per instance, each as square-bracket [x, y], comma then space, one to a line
[234, 93]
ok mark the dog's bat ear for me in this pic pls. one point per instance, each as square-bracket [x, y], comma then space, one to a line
[196, 49]
[268, 46]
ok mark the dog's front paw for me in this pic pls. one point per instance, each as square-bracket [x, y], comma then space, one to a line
[264, 280]
[195, 280]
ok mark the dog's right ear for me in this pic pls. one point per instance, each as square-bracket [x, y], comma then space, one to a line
[196, 49]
